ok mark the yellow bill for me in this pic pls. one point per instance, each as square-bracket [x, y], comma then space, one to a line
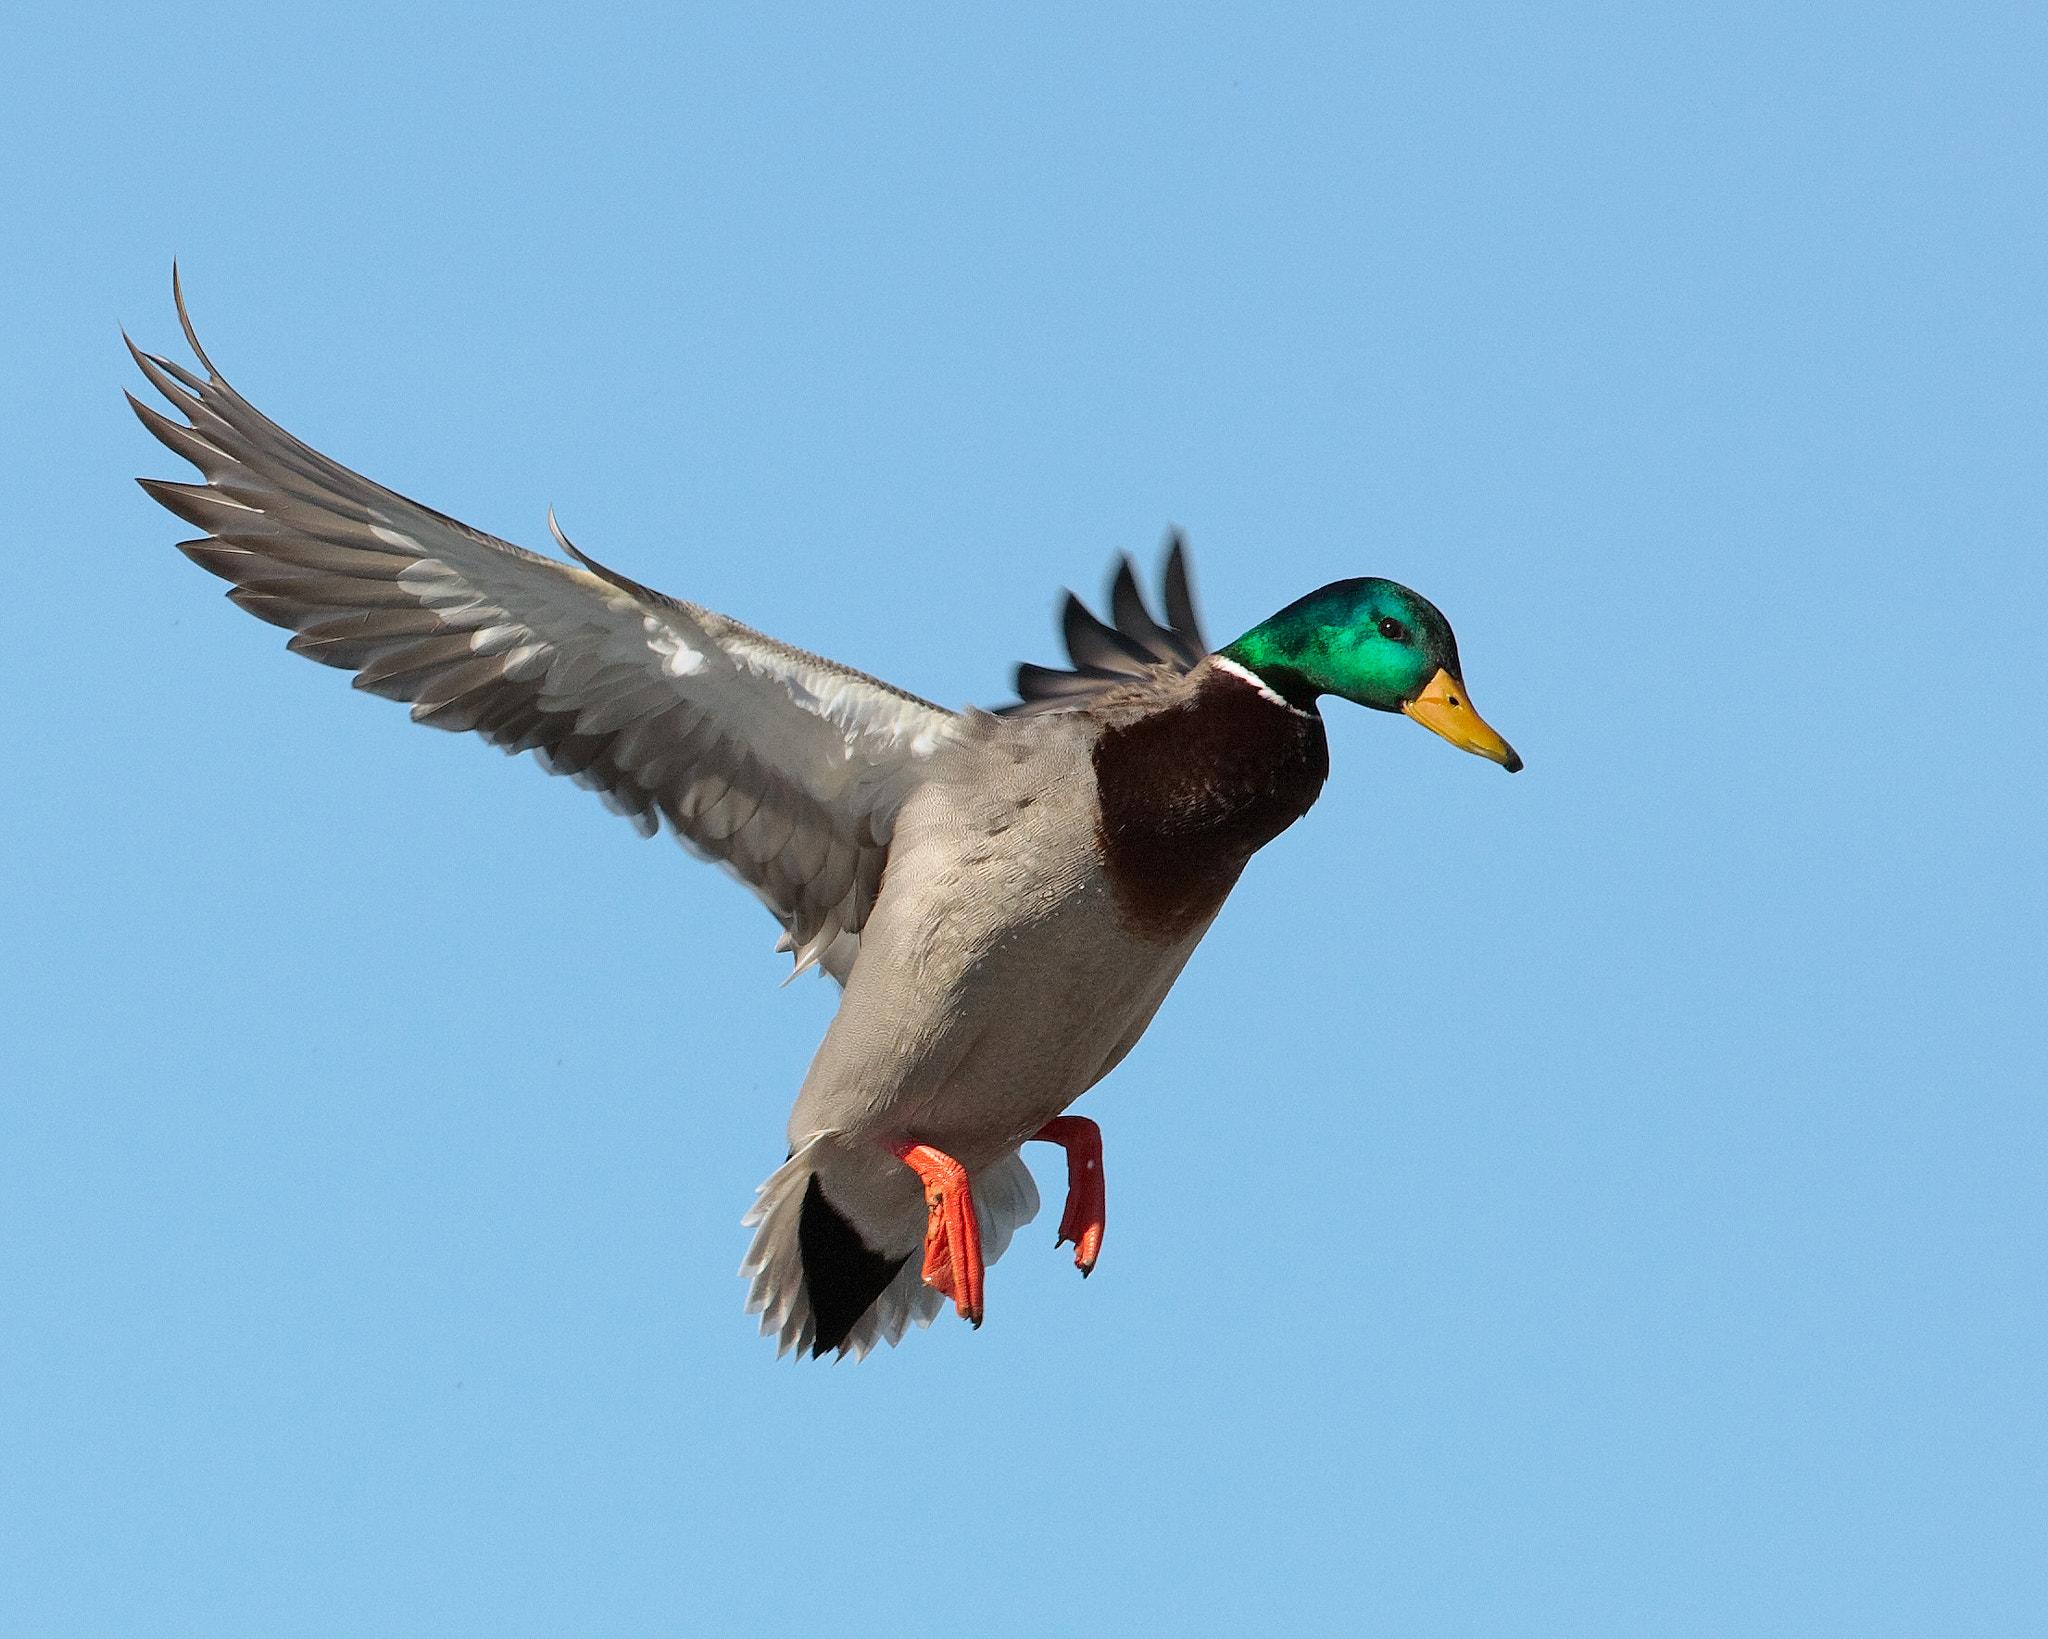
[1443, 708]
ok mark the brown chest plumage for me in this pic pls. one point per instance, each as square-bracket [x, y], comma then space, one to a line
[1191, 793]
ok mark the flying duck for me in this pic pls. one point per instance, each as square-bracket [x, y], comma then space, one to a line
[1004, 897]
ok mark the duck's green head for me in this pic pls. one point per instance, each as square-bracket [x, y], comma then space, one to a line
[1376, 643]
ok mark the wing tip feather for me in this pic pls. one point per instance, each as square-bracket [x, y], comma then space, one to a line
[185, 322]
[1102, 656]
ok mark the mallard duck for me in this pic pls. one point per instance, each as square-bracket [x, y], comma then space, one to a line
[1005, 897]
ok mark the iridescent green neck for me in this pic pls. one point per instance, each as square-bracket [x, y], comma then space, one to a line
[1371, 641]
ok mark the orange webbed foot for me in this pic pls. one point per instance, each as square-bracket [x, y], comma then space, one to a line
[952, 1234]
[1082, 1221]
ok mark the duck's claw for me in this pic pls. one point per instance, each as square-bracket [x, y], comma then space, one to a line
[1082, 1221]
[952, 1234]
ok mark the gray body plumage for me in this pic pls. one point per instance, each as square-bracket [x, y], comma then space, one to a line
[997, 981]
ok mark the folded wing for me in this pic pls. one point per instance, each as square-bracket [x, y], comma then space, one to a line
[785, 768]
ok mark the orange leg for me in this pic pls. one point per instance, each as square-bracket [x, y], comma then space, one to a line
[1081, 1223]
[952, 1232]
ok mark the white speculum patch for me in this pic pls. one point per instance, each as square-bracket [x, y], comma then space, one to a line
[678, 659]
[498, 639]
[429, 579]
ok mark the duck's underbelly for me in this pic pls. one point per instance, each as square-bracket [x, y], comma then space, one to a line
[986, 999]
[1034, 1024]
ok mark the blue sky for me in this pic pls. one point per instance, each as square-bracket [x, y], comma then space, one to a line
[1606, 1201]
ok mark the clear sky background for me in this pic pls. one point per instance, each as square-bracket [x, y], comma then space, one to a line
[1607, 1201]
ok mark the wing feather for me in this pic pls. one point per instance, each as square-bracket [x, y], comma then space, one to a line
[1108, 657]
[786, 768]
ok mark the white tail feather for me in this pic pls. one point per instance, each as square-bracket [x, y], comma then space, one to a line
[1005, 1197]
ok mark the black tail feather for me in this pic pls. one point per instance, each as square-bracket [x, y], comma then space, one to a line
[842, 1277]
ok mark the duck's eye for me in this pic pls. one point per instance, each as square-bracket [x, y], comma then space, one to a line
[1390, 627]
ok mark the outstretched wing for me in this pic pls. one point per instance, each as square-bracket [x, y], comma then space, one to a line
[1136, 649]
[784, 767]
